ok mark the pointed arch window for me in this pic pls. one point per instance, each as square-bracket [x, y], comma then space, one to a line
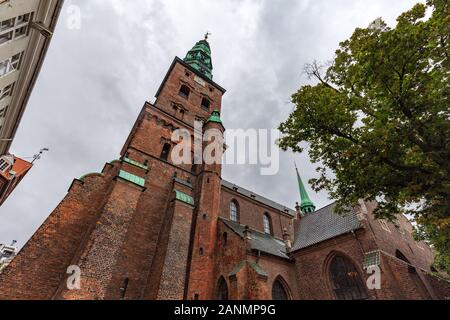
[165, 152]
[279, 291]
[206, 104]
[185, 91]
[234, 211]
[267, 220]
[222, 290]
[345, 279]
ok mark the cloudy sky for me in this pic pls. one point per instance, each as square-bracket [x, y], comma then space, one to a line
[95, 80]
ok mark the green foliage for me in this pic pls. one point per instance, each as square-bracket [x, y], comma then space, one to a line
[379, 120]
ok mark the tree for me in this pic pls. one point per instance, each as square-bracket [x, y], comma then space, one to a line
[378, 118]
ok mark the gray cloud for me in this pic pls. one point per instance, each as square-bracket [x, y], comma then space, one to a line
[95, 81]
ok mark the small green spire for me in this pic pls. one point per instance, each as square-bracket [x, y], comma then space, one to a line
[199, 58]
[307, 205]
[215, 117]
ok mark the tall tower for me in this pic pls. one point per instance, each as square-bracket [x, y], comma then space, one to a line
[136, 230]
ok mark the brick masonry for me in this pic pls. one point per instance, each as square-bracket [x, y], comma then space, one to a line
[134, 242]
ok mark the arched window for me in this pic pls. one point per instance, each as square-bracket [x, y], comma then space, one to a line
[278, 291]
[222, 290]
[234, 211]
[185, 91]
[267, 220]
[165, 151]
[346, 281]
[206, 103]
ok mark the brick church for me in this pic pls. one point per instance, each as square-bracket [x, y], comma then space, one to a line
[146, 228]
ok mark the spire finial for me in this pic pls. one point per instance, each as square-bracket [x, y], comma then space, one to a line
[207, 34]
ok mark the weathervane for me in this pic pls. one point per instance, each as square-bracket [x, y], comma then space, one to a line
[207, 35]
[39, 155]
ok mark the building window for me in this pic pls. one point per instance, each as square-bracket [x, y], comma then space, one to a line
[6, 91]
[14, 28]
[201, 252]
[124, 288]
[4, 165]
[206, 104]
[384, 225]
[165, 152]
[6, 36]
[225, 238]
[185, 91]
[278, 291]
[267, 224]
[234, 211]
[3, 113]
[346, 281]
[6, 24]
[10, 64]
[222, 290]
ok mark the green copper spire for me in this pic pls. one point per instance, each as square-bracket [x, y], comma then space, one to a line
[199, 58]
[307, 205]
[215, 117]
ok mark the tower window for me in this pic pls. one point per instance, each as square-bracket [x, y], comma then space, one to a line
[267, 224]
[165, 152]
[185, 91]
[234, 211]
[206, 103]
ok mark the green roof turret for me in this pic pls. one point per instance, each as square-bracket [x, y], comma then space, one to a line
[199, 58]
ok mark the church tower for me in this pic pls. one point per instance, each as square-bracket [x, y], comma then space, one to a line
[145, 226]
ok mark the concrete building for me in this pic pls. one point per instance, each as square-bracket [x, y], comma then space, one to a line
[26, 29]
[7, 254]
[146, 227]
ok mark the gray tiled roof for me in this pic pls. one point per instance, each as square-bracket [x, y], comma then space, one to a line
[260, 241]
[256, 197]
[324, 224]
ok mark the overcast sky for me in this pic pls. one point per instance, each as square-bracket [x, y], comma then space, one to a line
[96, 79]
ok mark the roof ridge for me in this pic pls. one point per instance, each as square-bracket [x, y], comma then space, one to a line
[224, 182]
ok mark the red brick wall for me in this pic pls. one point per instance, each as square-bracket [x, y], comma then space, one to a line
[400, 238]
[170, 94]
[252, 212]
[247, 284]
[311, 266]
[37, 271]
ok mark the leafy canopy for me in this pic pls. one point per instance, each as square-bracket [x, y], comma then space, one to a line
[379, 120]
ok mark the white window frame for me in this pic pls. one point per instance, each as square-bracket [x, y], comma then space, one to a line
[3, 162]
[11, 64]
[267, 224]
[3, 112]
[9, 28]
[7, 91]
[234, 211]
